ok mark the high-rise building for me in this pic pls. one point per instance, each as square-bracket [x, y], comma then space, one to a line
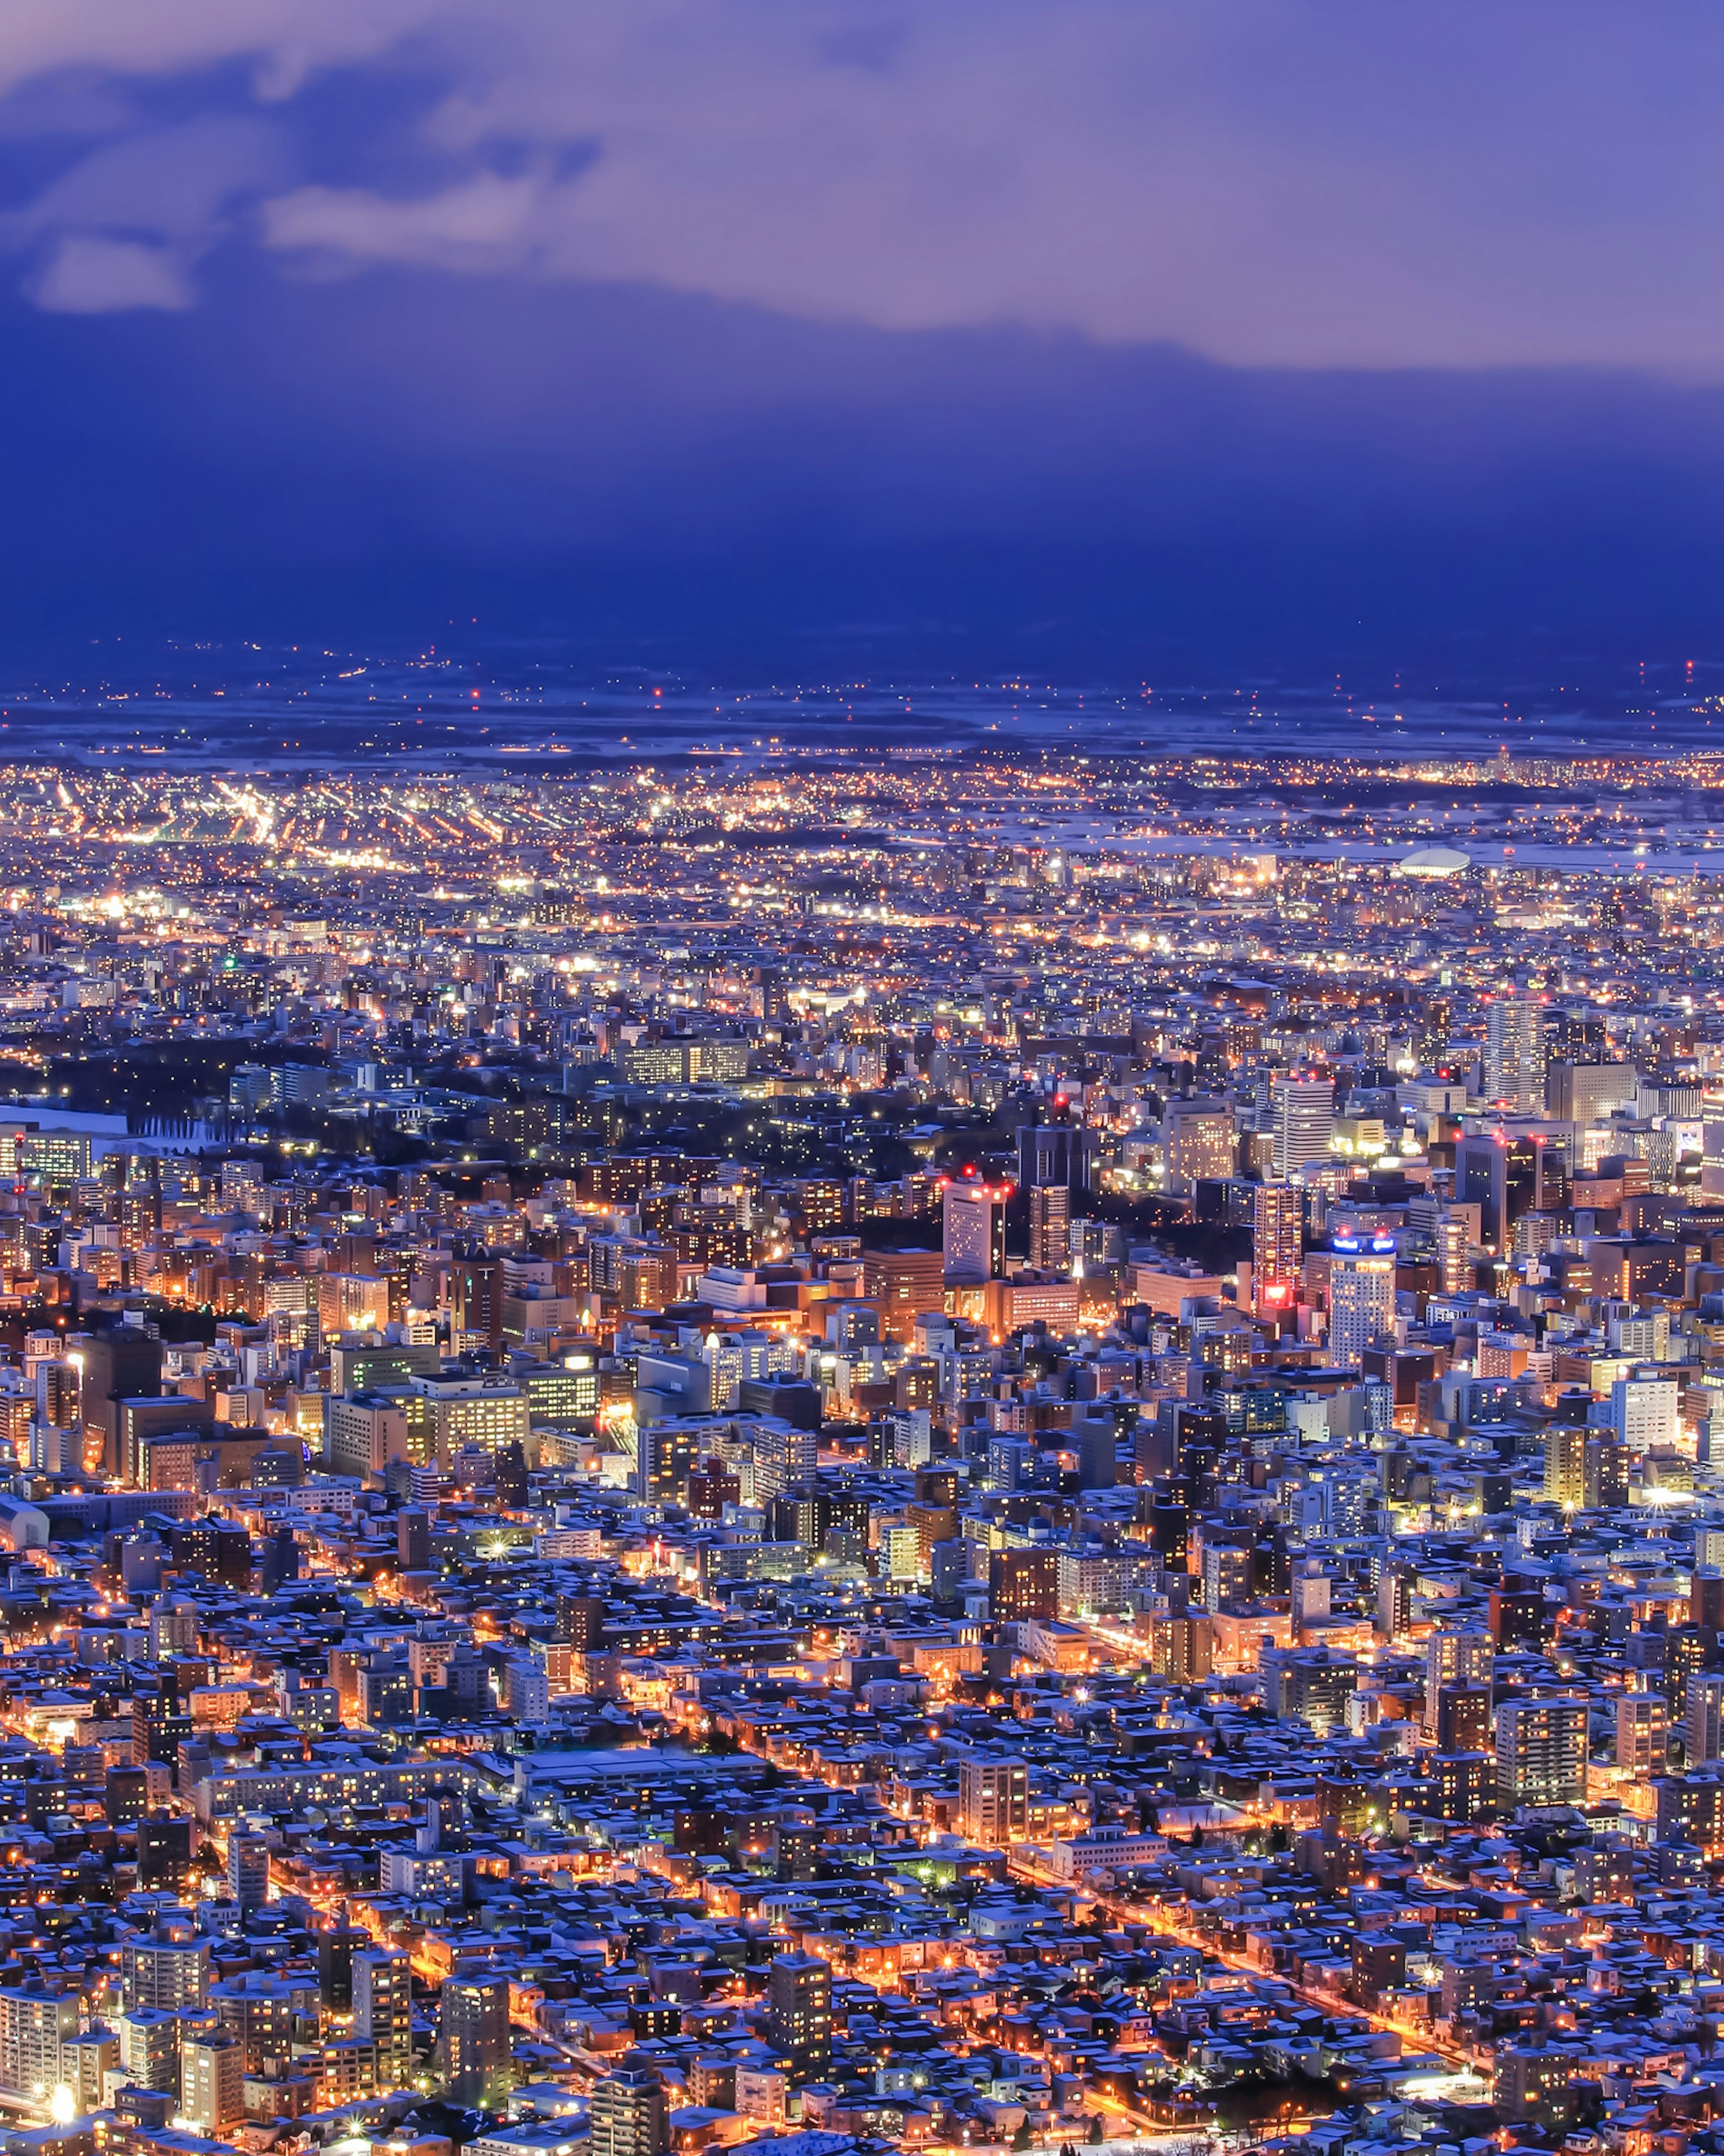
[212, 2081]
[1049, 1153]
[1642, 1734]
[1361, 1297]
[994, 1801]
[1703, 1735]
[164, 1852]
[630, 2114]
[121, 1363]
[248, 1869]
[413, 1538]
[476, 1295]
[1461, 1784]
[475, 2038]
[1023, 1583]
[1541, 1751]
[1301, 1120]
[1277, 1245]
[1455, 1255]
[799, 1995]
[383, 2013]
[149, 2047]
[1644, 1412]
[34, 2024]
[1565, 1466]
[1585, 1468]
[165, 1971]
[973, 1235]
[1514, 1055]
[336, 1949]
[1196, 1142]
[1465, 1656]
[1049, 1227]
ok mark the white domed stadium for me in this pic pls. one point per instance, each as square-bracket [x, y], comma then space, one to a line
[1433, 861]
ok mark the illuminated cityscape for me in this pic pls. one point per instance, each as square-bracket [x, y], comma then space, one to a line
[834, 1449]
[861, 1078]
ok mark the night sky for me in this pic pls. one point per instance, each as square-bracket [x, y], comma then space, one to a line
[790, 332]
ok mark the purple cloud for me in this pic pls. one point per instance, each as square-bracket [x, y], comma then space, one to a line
[1445, 182]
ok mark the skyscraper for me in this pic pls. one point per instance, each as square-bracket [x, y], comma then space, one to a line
[1514, 1054]
[1277, 1244]
[1197, 1142]
[1361, 1297]
[1050, 1153]
[248, 1869]
[1049, 1227]
[973, 1232]
[475, 2038]
[383, 2013]
[1703, 1737]
[800, 2001]
[1302, 1116]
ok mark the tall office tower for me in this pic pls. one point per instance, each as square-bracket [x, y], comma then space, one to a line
[476, 1294]
[1302, 1117]
[1198, 1142]
[994, 1801]
[1540, 1751]
[247, 1869]
[1362, 1298]
[475, 2038]
[1451, 1658]
[1642, 1734]
[383, 2013]
[973, 1232]
[123, 1363]
[1277, 1245]
[799, 1993]
[1514, 1055]
[212, 2080]
[1455, 1256]
[1050, 1228]
[1049, 1153]
[630, 2115]
[1703, 1736]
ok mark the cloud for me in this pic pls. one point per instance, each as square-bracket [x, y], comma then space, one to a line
[87, 275]
[484, 223]
[124, 226]
[1301, 182]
